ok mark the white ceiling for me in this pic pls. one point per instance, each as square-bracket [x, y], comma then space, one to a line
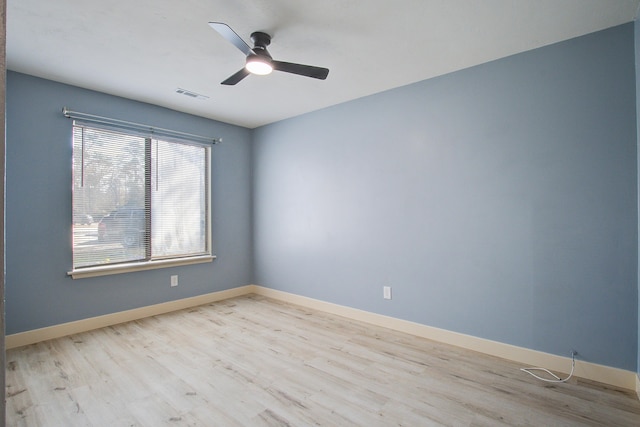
[146, 49]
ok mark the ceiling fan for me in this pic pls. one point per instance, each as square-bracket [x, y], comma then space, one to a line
[258, 59]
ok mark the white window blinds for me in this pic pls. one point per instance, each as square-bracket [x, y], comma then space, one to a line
[178, 199]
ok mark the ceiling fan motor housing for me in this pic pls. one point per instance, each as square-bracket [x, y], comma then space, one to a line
[260, 39]
[260, 53]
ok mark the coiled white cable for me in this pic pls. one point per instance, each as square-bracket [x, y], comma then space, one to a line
[557, 378]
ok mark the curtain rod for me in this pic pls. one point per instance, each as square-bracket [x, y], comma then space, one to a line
[138, 126]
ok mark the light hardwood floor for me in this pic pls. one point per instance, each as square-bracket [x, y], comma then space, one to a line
[254, 361]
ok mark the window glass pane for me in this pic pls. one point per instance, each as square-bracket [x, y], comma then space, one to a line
[137, 199]
[178, 199]
[108, 197]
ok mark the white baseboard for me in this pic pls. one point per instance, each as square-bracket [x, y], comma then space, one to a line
[64, 329]
[604, 374]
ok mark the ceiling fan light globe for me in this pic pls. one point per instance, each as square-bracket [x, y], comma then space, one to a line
[259, 67]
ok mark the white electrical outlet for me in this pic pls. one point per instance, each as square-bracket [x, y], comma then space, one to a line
[174, 281]
[386, 292]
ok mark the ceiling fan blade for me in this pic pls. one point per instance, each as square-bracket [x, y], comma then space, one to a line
[236, 77]
[231, 36]
[302, 70]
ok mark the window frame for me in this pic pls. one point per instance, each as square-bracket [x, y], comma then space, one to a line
[160, 262]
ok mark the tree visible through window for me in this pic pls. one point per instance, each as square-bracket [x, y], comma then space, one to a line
[137, 199]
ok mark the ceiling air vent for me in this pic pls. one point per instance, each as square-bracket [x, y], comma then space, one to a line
[191, 94]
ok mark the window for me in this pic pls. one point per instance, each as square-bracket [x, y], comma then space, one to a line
[138, 200]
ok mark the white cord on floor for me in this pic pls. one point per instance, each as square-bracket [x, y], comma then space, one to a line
[557, 378]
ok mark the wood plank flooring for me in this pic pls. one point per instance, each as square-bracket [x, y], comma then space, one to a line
[253, 361]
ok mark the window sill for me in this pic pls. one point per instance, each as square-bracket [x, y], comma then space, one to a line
[105, 270]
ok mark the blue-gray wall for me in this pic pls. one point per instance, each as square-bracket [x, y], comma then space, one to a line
[499, 201]
[38, 210]
[637, 57]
